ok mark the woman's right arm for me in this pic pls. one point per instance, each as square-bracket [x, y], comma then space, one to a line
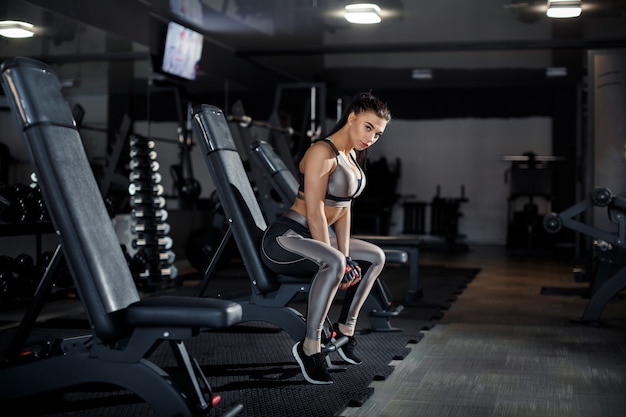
[317, 164]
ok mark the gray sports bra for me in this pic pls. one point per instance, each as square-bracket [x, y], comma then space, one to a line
[343, 183]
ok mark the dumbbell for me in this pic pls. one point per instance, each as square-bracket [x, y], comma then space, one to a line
[138, 164]
[22, 280]
[142, 153]
[18, 206]
[6, 276]
[139, 262]
[155, 177]
[168, 257]
[143, 142]
[170, 272]
[158, 228]
[139, 213]
[134, 188]
[156, 202]
[164, 242]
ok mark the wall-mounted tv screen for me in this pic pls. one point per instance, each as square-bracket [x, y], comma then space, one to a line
[182, 52]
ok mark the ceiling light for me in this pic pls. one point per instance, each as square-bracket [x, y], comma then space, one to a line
[563, 8]
[363, 13]
[422, 74]
[552, 72]
[16, 29]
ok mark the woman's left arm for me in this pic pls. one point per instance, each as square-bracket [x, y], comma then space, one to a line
[342, 231]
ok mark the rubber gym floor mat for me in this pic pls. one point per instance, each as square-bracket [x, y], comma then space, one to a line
[440, 288]
[252, 364]
[270, 382]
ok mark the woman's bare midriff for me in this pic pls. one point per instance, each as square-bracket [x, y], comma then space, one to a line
[332, 213]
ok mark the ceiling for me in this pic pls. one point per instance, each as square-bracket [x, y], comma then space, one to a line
[253, 44]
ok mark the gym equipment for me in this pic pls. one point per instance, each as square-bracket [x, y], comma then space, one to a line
[186, 187]
[445, 213]
[189, 189]
[271, 293]
[202, 244]
[273, 206]
[288, 98]
[414, 217]
[153, 244]
[17, 277]
[278, 136]
[247, 121]
[5, 163]
[530, 180]
[111, 175]
[609, 277]
[23, 203]
[371, 214]
[123, 328]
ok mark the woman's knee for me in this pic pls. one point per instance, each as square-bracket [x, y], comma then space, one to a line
[375, 255]
[378, 256]
[333, 265]
[366, 251]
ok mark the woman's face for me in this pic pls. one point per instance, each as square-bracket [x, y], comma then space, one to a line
[365, 129]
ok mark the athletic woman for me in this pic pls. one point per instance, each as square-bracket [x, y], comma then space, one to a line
[301, 243]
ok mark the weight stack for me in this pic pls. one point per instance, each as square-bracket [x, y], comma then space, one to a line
[153, 261]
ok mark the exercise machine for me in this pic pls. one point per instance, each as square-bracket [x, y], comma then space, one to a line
[530, 197]
[609, 276]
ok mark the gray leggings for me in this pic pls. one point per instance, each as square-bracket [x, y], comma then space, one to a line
[288, 248]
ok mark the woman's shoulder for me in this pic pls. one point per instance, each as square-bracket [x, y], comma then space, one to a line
[319, 154]
[322, 148]
[328, 144]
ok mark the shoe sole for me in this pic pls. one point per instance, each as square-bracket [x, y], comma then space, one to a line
[347, 359]
[294, 351]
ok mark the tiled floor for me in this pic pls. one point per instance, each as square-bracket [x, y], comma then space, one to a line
[503, 349]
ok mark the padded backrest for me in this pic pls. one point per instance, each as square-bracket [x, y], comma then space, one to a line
[234, 191]
[71, 194]
[271, 203]
[275, 170]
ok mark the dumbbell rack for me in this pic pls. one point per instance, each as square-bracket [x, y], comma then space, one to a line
[153, 259]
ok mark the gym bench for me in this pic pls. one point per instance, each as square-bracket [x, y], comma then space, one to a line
[124, 329]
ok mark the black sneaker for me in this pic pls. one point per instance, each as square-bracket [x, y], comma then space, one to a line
[313, 367]
[347, 351]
